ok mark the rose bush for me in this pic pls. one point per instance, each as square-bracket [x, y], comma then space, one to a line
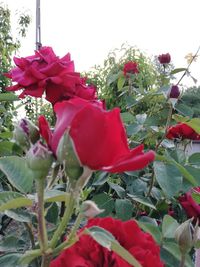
[88, 253]
[87, 137]
[98, 135]
[45, 72]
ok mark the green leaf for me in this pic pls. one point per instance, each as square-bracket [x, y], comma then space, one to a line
[52, 213]
[8, 97]
[17, 172]
[168, 177]
[184, 109]
[177, 70]
[13, 200]
[121, 82]
[105, 202]
[112, 78]
[173, 249]
[196, 196]
[169, 226]
[133, 129]
[102, 236]
[194, 124]
[151, 229]
[55, 196]
[127, 117]
[141, 118]
[124, 209]
[10, 260]
[6, 135]
[9, 244]
[179, 118]
[8, 148]
[101, 179]
[118, 189]
[143, 200]
[194, 159]
[19, 215]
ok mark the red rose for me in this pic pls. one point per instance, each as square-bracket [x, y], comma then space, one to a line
[191, 208]
[130, 67]
[88, 253]
[98, 135]
[45, 72]
[182, 131]
[164, 58]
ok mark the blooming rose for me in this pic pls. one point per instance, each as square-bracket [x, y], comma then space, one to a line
[191, 208]
[98, 135]
[88, 253]
[164, 58]
[45, 72]
[182, 131]
[130, 67]
[174, 91]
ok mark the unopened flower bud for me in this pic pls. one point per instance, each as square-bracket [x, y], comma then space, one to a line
[66, 155]
[26, 132]
[186, 236]
[164, 58]
[90, 209]
[39, 159]
[174, 92]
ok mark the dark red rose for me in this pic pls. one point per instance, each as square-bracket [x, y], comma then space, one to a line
[182, 131]
[130, 67]
[164, 58]
[98, 135]
[191, 208]
[88, 253]
[174, 92]
[46, 73]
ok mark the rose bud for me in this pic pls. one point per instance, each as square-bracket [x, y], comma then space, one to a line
[174, 92]
[39, 160]
[26, 132]
[90, 209]
[164, 58]
[186, 236]
[67, 156]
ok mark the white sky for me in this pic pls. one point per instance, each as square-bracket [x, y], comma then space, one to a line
[89, 29]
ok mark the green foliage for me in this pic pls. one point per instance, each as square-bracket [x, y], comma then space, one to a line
[8, 47]
[112, 85]
[191, 98]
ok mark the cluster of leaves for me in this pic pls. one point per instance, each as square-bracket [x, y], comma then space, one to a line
[191, 98]
[8, 47]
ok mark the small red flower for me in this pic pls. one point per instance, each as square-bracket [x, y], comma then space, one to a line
[164, 58]
[46, 73]
[98, 135]
[130, 67]
[88, 253]
[191, 208]
[182, 131]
